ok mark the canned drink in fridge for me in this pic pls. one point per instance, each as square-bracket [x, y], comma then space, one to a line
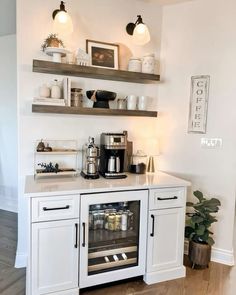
[124, 221]
[111, 222]
[100, 220]
[130, 220]
[95, 220]
[118, 222]
[106, 215]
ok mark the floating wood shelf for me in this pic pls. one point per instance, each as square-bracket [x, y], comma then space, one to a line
[90, 111]
[48, 67]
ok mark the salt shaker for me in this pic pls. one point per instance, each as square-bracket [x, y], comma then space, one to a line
[56, 90]
[148, 64]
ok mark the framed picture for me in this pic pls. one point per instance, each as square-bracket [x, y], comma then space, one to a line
[198, 104]
[103, 55]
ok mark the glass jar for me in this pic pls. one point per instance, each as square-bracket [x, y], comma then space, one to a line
[76, 97]
[148, 64]
[138, 163]
[135, 64]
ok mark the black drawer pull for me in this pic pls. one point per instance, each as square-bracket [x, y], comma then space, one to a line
[83, 243]
[163, 199]
[153, 221]
[59, 208]
[76, 235]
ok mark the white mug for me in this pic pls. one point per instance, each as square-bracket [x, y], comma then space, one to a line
[131, 102]
[142, 103]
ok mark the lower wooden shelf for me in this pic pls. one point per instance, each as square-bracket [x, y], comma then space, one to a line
[90, 111]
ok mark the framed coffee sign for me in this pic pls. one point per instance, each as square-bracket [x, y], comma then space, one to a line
[198, 104]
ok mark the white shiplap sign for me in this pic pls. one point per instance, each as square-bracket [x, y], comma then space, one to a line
[198, 104]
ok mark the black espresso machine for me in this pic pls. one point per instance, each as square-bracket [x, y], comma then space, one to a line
[113, 155]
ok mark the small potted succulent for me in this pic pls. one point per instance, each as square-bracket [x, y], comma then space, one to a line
[197, 228]
[52, 41]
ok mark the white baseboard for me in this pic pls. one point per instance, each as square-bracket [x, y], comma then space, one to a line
[21, 260]
[164, 275]
[217, 255]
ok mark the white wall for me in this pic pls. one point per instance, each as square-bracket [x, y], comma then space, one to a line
[8, 124]
[198, 38]
[7, 17]
[102, 20]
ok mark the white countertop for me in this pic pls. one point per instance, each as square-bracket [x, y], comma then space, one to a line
[78, 185]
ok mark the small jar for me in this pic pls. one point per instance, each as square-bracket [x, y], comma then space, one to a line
[148, 64]
[135, 64]
[56, 90]
[76, 97]
[138, 164]
[44, 91]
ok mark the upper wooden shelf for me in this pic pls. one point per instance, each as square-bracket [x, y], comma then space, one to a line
[48, 67]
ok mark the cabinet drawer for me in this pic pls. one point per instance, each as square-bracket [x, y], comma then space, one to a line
[166, 198]
[55, 208]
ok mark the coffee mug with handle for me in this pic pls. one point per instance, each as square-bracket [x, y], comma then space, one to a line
[142, 103]
[131, 102]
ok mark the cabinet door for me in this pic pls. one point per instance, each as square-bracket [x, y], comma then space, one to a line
[54, 256]
[165, 239]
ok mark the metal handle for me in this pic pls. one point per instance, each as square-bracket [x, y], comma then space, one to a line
[153, 221]
[58, 208]
[83, 243]
[76, 235]
[163, 199]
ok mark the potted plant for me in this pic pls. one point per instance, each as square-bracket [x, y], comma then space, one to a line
[197, 228]
[52, 41]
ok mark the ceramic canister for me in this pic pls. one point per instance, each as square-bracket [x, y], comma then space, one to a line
[56, 90]
[135, 64]
[148, 64]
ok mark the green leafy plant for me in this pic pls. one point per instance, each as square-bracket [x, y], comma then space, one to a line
[52, 41]
[200, 220]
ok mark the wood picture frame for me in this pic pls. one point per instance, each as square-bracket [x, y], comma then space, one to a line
[102, 54]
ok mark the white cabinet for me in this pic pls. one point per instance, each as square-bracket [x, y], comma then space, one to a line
[165, 243]
[165, 239]
[54, 256]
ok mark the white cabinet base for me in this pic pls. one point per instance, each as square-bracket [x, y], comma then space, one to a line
[164, 275]
[67, 292]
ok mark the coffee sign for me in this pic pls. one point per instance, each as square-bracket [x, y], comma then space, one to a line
[198, 104]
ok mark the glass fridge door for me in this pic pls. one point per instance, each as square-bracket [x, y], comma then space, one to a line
[113, 233]
[113, 239]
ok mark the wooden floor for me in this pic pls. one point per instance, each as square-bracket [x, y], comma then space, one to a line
[216, 280]
[12, 281]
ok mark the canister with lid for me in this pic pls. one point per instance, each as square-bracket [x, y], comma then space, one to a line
[148, 63]
[135, 64]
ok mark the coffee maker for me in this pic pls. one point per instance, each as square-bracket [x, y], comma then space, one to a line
[90, 160]
[113, 150]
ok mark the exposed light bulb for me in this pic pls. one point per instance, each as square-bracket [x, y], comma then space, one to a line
[62, 17]
[141, 35]
[62, 23]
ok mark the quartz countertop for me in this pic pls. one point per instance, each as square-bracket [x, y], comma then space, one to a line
[77, 185]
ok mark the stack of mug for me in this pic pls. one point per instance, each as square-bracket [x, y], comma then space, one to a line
[133, 102]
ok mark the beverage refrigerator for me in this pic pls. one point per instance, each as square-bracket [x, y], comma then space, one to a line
[113, 234]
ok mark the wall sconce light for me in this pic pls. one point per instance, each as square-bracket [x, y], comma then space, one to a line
[139, 30]
[62, 23]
